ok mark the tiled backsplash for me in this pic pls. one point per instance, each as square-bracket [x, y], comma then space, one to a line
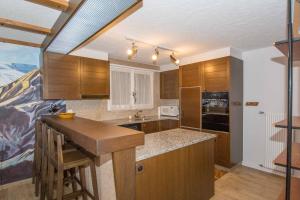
[97, 109]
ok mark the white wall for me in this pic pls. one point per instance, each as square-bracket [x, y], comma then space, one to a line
[265, 82]
[217, 53]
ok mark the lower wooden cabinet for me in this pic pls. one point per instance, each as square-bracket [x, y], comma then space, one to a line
[150, 127]
[162, 125]
[222, 148]
[183, 174]
[168, 124]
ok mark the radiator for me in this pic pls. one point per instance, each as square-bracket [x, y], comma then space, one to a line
[274, 140]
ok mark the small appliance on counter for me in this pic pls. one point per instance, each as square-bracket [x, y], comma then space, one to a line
[170, 111]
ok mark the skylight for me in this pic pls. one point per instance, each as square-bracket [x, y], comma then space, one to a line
[92, 16]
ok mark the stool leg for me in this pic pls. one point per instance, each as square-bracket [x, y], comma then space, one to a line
[60, 184]
[94, 181]
[83, 181]
[43, 178]
[50, 182]
[37, 172]
[74, 184]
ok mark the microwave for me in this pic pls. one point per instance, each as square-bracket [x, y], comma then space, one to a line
[172, 111]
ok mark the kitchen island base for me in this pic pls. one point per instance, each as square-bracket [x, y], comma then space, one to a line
[172, 165]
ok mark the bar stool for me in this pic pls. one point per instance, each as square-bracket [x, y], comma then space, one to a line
[37, 159]
[40, 161]
[60, 161]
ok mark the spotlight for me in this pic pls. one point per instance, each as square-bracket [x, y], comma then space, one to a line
[155, 56]
[132, 51]
[174, 59]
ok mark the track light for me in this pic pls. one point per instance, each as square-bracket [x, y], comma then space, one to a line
[174, 59]
[155, 56]
[132, 51]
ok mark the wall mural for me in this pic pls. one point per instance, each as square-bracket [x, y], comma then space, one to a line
[20, 105]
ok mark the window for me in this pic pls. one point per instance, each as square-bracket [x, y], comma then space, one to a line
[130, 88]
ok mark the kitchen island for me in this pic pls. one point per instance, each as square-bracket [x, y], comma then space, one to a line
[165, 165]
[172, 164]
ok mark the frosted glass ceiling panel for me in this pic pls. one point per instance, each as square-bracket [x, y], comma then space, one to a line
[91, 16]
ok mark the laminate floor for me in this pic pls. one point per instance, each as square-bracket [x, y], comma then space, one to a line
[241, 183]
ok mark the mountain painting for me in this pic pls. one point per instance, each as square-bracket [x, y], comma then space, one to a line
[20, 106]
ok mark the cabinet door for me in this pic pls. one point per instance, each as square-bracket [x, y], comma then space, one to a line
[191, 75]
[150, 127]
[222, 149]
[216, 75]
[61, 76]
[94, 78]
[168, 124]
[190, 104]
[169, 84]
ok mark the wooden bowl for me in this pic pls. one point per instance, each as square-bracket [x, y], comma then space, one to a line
[64, 115]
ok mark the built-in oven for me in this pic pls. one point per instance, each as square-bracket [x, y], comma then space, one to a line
[215, 111]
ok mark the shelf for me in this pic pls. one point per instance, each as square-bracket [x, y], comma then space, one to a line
[295, 192]
[283, 47]
[281, 158]
[283, 123]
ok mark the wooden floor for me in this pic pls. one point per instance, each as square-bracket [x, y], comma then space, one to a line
[244, 183]
[240, 183]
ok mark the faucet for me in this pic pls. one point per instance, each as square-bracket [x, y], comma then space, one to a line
[137, 114]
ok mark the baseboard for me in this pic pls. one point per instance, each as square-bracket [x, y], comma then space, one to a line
[13, 184]
[261, 168]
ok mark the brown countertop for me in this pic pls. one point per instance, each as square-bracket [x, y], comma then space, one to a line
[96, 137]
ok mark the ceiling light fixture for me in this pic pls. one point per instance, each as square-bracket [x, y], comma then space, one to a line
[132, 51]
[174, 59]
[155, 56]
[157, 50]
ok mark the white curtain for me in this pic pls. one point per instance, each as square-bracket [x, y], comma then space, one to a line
[120, 88]
[142, 85]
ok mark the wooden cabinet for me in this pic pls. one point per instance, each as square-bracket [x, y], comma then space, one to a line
[183, 174]
[150, 127]
[72, 77]
[168, 124]
[190, 104]
[61, 76]
[222, 149]
[216, 75]
[169, 86]
[191, 75]
[94, 78]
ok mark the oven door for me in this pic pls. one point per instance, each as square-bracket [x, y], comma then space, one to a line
[217, 122]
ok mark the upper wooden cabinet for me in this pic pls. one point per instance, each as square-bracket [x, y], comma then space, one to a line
[217, 75]
[61, 76]
[72, 77]
[169, 84]
[191, 75]
[94, 78]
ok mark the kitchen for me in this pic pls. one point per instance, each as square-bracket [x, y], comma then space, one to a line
[94, 113]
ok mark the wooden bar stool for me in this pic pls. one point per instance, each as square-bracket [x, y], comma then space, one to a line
[40, 162]
[37, 159]
[60, 161]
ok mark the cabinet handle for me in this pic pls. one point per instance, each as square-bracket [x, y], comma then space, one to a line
[139, 168]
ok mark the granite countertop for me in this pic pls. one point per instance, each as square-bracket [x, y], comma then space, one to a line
[124, 121]
[165, 141]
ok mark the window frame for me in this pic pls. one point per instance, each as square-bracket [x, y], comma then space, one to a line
[132, 71]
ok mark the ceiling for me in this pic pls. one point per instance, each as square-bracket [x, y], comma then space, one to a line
[195, 26]
[27, 12]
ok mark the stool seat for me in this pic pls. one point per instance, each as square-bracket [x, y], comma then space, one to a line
[74, 159]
